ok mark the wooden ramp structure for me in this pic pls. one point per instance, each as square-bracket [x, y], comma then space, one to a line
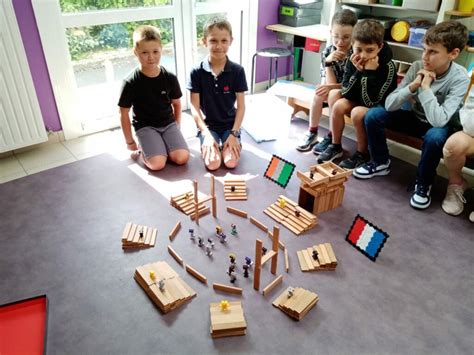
[292, 216]
[235, 190]
[322, 187]
[326, 259]
[136, 236]
[174, 293]
[228, 322]
[298, 305]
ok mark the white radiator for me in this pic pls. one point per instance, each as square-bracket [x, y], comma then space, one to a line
[21, 122]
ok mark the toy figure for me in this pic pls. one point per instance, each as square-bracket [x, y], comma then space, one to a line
[140, 234]
[232, 188]
[233, 230]
[208, 249]
[200, 242]
[191, 234]
[224, 305]
[222, 237]
[291, 292]
[161, 285]
[231, 273]
[315, 255]
[218, 230]
[297, 213]
[210, 243]
[152, 275]
[264, 250]
[282, 203]
[246, 270]
[248, 261]
[311, 174]
[232, 259]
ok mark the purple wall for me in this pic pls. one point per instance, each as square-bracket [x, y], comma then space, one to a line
[39, 71]
[267, 15]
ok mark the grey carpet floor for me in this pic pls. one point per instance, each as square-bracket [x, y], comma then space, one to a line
[60, 236]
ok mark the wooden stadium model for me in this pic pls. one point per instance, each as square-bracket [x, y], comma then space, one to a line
[317, 258]
[292, 216]
[191, 204]
[163, 285]
[297, 305]
[135, 236]
[235, 190]
[227, 319]
[322, 187]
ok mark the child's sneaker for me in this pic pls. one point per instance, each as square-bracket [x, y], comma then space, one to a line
[332, 152]
[308, 141]
[371, 169]
[355, 161]
[454, 201]
[323, 145]
[421, 198]
[471, 217]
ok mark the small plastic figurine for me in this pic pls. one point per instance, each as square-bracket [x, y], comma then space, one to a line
[152, 275]
[233, 230]
[232, 188]
[224, 305]
[282, 203]
[218, 230]
[208, 249]
[161, 285]
[210, 243]
[222, 237]
[297, 213]
[191, 234]
[232, 259]
[245, 267]
[140, 234]
[231, 274]
[200, 242]
[311, 174]
[291, 292]
[264, 250]
[334, 172]
[315, 255]
[248, 261]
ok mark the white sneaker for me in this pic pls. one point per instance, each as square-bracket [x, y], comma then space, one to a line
[471, 217]
[454, 201]
[421, 198]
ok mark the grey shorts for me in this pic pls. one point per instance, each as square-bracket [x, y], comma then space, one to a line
[160, 141]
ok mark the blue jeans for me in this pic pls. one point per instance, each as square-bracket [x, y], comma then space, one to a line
[377, 119]
[219, 138]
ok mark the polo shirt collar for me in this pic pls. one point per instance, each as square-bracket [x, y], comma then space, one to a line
[207, 66]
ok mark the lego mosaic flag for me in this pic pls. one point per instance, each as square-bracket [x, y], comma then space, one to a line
[366, 237]
[279, 171]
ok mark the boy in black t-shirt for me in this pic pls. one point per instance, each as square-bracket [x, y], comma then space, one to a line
[217, 88]
[155, 96]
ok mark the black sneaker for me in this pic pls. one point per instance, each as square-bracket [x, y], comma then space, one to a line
[308, 141]
[323, 145]
[332, 152]
[354, 161]
[421, 198]
[371, 169]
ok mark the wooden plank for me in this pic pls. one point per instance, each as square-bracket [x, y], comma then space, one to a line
[202, 212]
[132, 232]
[153, 237]
[225, 288]
[330, 251]
[270, 213]
[287, 265]
[315, 263]
[308, 259]
[272, 285]
[258, 264]
[236, 212]
[174, 231]
[196, 274]
[302, 260]
[270, 254]
[126, 231]
[136, 236]
[258, 224]
[175, 255]
[281, 245]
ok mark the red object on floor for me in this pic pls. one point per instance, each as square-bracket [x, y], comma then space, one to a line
[23, 327]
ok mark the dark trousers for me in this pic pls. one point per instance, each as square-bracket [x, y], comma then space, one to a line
[377, 119]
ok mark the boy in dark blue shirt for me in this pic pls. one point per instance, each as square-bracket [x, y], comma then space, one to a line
[216, 85]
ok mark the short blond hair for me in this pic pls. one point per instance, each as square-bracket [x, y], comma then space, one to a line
[145, 33]
[219, 22]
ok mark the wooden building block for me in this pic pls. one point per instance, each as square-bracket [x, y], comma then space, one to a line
[287, 265]
[326, 260]
[235, 190]
[237, 212]
[258, 264]
[229, 322]
[298, 305]
[259, 224]
[174, 231]
[272, 285]
[175, 255]
[225, 288]
[196, 274]
[131, 238]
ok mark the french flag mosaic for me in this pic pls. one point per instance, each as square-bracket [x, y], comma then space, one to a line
[366, 237]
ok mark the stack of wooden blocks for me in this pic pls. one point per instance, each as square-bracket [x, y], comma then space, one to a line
[326, 259]
[135, 236]
[292, 216]
[229, 322]
[322, 188]
[235, 190]
[174, 291]
[185, 203]
[299, 304]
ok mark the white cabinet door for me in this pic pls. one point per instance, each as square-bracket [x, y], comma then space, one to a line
[21, 123]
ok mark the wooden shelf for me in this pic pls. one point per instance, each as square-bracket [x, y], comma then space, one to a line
[384, 6]
[459, 13]
[403, 45]
[470, 49]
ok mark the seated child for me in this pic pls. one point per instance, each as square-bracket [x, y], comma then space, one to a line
[154, 94]
[333, 62]
[218, 88]
[435, 86]
[369, 77]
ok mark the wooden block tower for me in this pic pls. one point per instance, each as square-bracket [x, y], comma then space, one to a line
[322, 187]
